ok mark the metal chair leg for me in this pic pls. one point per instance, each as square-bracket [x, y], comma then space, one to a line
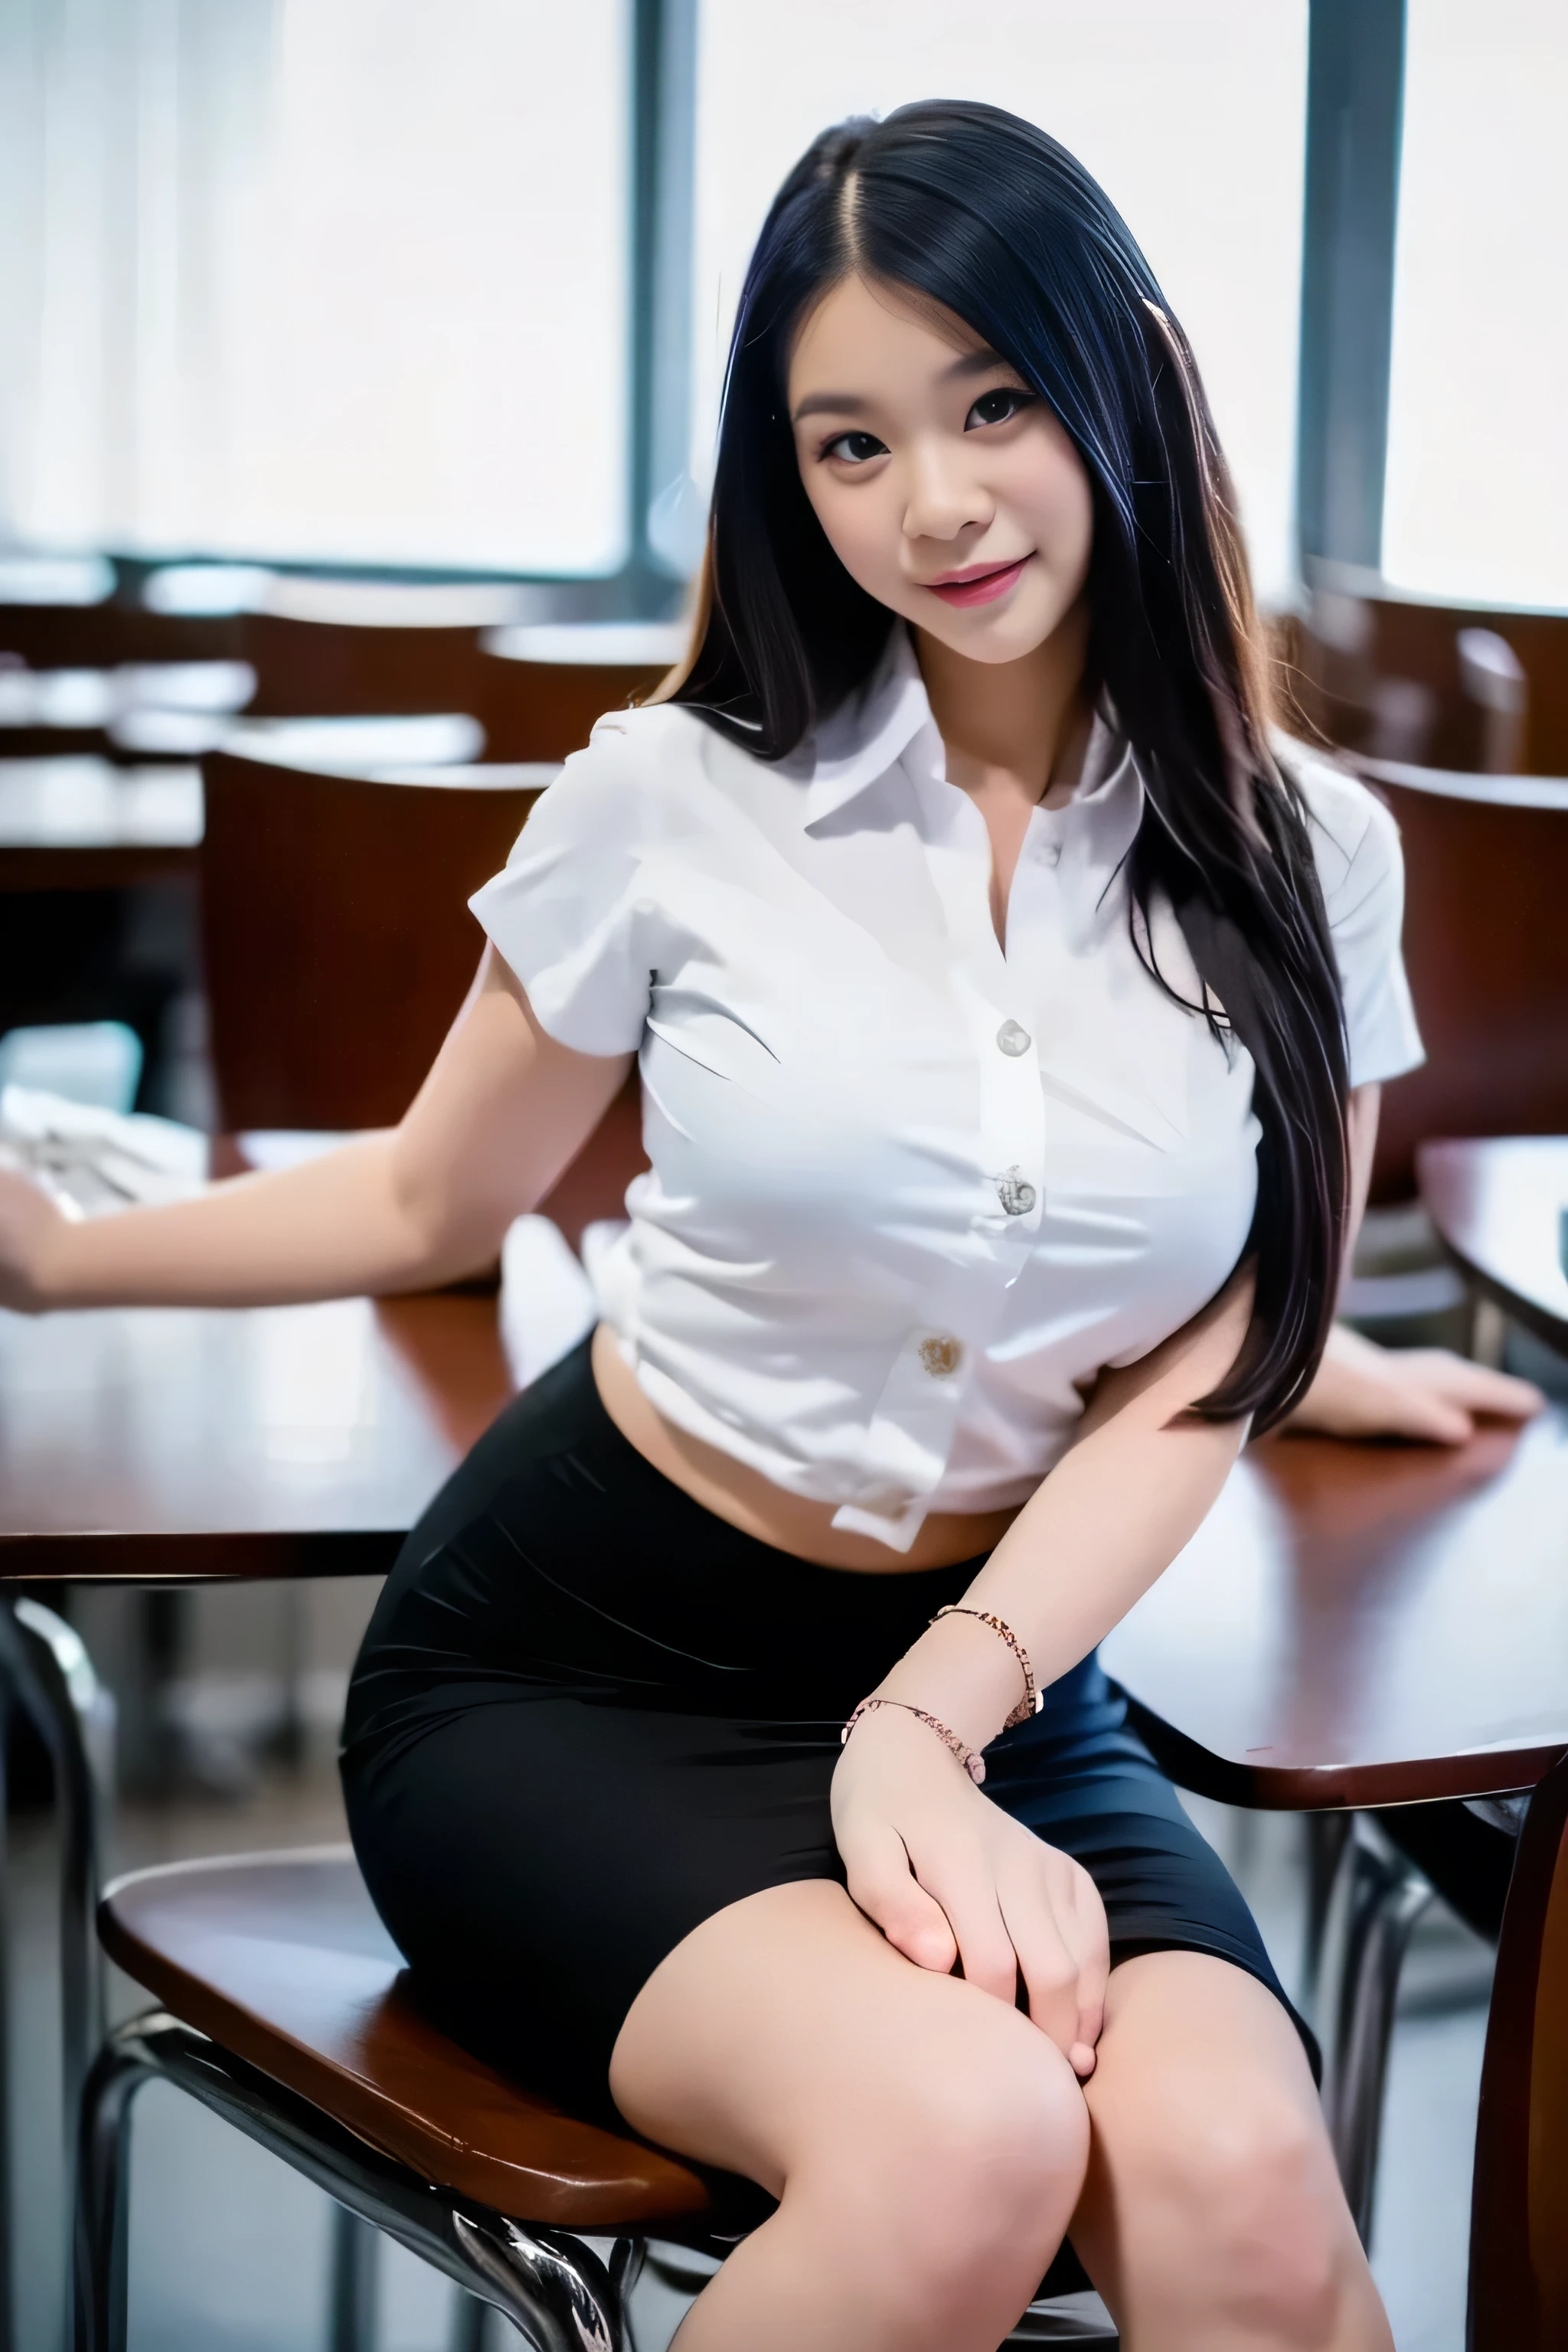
[103, 2196]
[471, 2325]
[548, 2284]
[57, 1684]
[355, 2301]
[1380, 1896]
[8, 2154]
[1327, 1835]
[553, 2287]
[47, 1672]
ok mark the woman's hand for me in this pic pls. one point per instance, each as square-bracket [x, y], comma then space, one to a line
[504, 1110]
[31, 1223]
[949, 1877]
[1364, 1391]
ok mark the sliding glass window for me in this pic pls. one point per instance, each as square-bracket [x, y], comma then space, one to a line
[1476, 506]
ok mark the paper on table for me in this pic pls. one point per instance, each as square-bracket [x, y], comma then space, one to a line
[95, 1161]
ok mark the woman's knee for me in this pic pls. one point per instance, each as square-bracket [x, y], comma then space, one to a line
[1251, 2207]
[965, 2174]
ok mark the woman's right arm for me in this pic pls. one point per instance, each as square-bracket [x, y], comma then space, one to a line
[503, 1111]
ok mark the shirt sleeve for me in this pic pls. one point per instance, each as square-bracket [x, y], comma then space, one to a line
[1362, 869]
[568, 912]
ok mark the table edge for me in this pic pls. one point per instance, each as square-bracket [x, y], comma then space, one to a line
[193, 1556]
[94, 865]
[1343, 1787]
[1541, 1321]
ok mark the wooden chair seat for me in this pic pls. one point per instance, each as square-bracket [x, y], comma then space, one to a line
[281, 1959]
[540, 690]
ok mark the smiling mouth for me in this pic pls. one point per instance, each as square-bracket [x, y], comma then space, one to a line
[979, 586]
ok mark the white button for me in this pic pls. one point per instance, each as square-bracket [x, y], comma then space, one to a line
[1013, 1038]
[1051, 851]
[941, 1355]
[1015, 1194]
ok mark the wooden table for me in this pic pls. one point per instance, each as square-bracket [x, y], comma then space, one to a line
[83, 824]
[1353, 1626]
[1500, 1208]
[1362, 1625]
[166, 1443]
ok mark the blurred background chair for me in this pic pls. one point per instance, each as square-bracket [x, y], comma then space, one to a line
[337, 942]
[540, 688]
[337, 647]
[339, 945]
[1457, 717]
[1478, 688]
[1486, 860]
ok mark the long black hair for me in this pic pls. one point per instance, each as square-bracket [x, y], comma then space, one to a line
[980, 212]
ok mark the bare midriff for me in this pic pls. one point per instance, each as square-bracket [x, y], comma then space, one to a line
[735, 1492]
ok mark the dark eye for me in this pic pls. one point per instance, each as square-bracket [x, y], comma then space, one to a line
[855, 448]
[996, 407]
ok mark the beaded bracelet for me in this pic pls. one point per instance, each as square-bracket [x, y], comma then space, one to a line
[1033, 1700]
[971, 1760]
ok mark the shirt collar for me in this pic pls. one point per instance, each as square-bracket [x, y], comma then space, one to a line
[868, 733]
[1107, 804]
[878, 723]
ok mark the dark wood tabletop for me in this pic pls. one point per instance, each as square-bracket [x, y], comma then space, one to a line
[1365, 1624]
[1500, 1208]
[85, 823]
[158, 1443]
[1354, 1625]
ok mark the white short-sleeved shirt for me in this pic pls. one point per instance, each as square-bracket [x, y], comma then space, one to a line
[908, 1191]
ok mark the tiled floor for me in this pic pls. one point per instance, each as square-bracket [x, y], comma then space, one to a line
[229, 2251]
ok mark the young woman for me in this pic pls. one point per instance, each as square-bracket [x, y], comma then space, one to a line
[1010, 1012]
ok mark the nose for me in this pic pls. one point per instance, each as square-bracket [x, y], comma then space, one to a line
[942, 497]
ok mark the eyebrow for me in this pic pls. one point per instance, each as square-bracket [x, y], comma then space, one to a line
[980, 363]
[837, 404]
[849, 404]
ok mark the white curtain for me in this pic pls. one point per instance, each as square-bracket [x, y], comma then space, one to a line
[132, 144]
[334, 279]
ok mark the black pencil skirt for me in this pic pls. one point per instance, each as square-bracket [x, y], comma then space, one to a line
[588, 1713]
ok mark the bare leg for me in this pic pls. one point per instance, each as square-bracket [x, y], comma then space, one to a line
[927, 2143]
[1211, 2218]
